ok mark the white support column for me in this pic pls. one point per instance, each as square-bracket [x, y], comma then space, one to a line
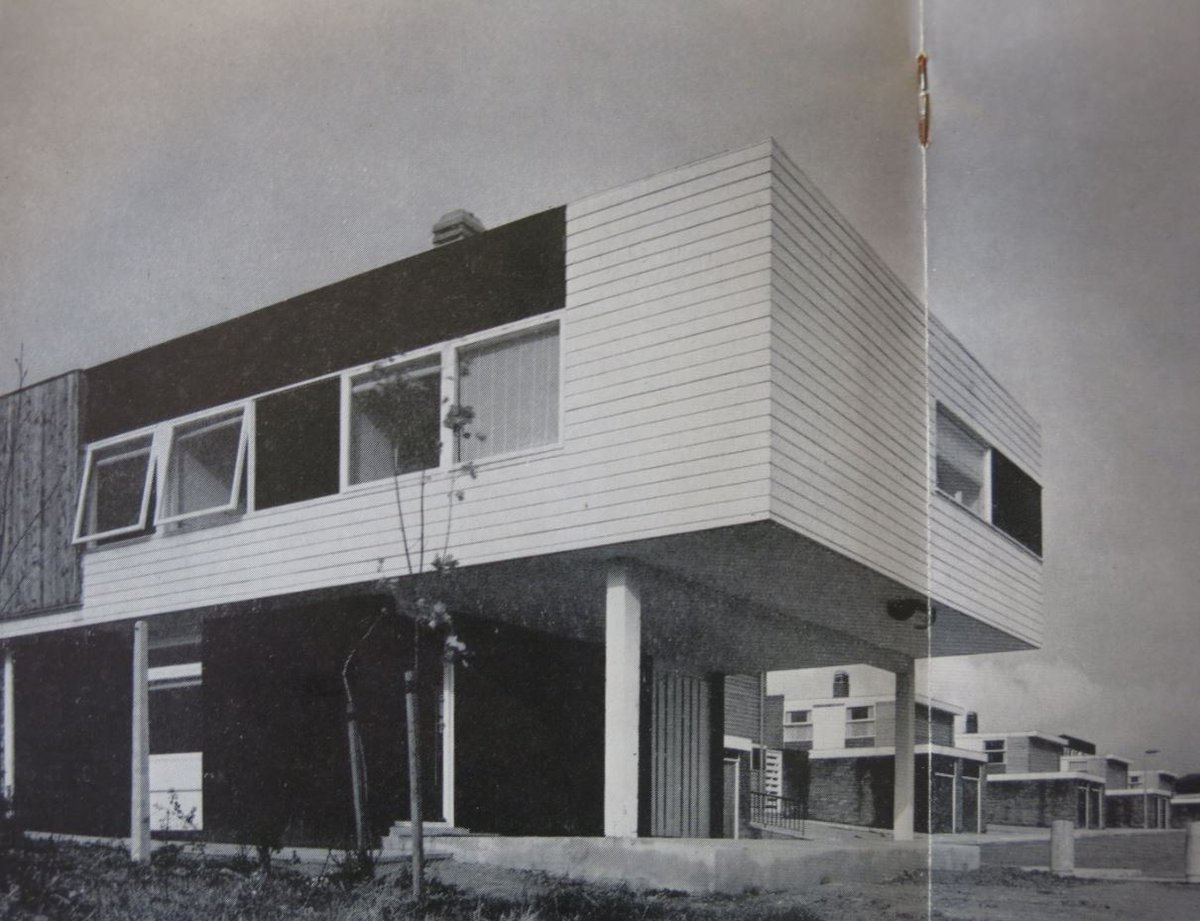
[448, 743]
[139, 803]
[8, 786]
[902, 795]
[622, 698]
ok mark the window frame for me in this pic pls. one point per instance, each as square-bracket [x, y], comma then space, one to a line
[985, 480]
[986, 514]
[852, 720]
[89, 469]
[161, 434]
[348, 377]
[239, 411]
[493, 337]
[790, 721]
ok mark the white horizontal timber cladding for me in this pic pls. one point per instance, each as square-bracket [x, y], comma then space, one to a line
[659, 194]
[976, 569]
[849, 452]
[666, 391]
[973, 566]
[973, 394]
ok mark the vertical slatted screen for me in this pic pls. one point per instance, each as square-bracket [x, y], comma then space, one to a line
[680, 776]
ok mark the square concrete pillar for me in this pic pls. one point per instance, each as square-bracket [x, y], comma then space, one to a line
[622, 698]
[905, 767]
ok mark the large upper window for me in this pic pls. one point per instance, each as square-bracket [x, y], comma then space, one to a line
[511, 386]
[962, 463]
[116, 489]
[395, 420]
[316, 437]
[1016, 502]
[296, 444]
[984, 481]
[204, 466]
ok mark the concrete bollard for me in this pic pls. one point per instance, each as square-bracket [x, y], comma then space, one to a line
[1192, 852]
[1062, 847]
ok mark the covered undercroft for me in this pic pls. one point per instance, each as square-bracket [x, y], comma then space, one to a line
[590, 701]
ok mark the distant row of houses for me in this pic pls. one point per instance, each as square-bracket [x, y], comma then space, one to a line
[826, 748]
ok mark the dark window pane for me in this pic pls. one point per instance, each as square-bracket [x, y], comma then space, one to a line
[176, 719]
[1016, 502]
[296, 444]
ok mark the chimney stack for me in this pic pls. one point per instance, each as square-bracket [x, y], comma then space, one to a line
[456, 225]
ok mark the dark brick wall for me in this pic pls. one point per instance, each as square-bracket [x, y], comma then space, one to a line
[854, 791]
[1034, 803]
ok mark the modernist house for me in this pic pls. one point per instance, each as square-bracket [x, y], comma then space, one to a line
[839, 733]
[705, 418]
[1185, 804]
[1146, 801]
[1035, 777]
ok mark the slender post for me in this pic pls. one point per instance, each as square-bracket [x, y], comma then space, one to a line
[414, 788]
[905, 768]
[139, 811]
[448, 743]
[10, 730]
[622, 698]
[1146, 786]
[1062, 847]
[356, 786]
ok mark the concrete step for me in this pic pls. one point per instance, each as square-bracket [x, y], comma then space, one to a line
[399, 837]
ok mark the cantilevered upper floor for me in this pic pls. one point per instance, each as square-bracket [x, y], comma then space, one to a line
[707, 371]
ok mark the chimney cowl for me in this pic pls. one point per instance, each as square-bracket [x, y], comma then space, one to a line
[456, 225]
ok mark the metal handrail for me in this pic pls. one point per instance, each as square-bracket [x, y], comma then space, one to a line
[778, 811]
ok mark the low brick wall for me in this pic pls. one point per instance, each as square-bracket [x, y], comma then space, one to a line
[852, 791]
[1035, 803]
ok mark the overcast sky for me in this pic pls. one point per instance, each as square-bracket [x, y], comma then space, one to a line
[166, 165]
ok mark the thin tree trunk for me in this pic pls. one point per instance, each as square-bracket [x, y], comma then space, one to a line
[414, 788]
[356, 784]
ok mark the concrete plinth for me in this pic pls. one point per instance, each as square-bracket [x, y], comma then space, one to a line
[1192, 852]
[710, 865]
[1062, 847]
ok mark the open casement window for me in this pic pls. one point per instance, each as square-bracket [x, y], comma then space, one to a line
[395, 420]
[115, 498]
[204, 466]
[962, 464]
[512, 387]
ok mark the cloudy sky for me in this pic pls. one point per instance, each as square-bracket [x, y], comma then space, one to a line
[164, 165]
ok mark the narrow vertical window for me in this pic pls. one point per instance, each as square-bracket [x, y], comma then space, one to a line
[204, 466]
[961, 463]
[116, 490]
[395, 420]
[512, 387]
